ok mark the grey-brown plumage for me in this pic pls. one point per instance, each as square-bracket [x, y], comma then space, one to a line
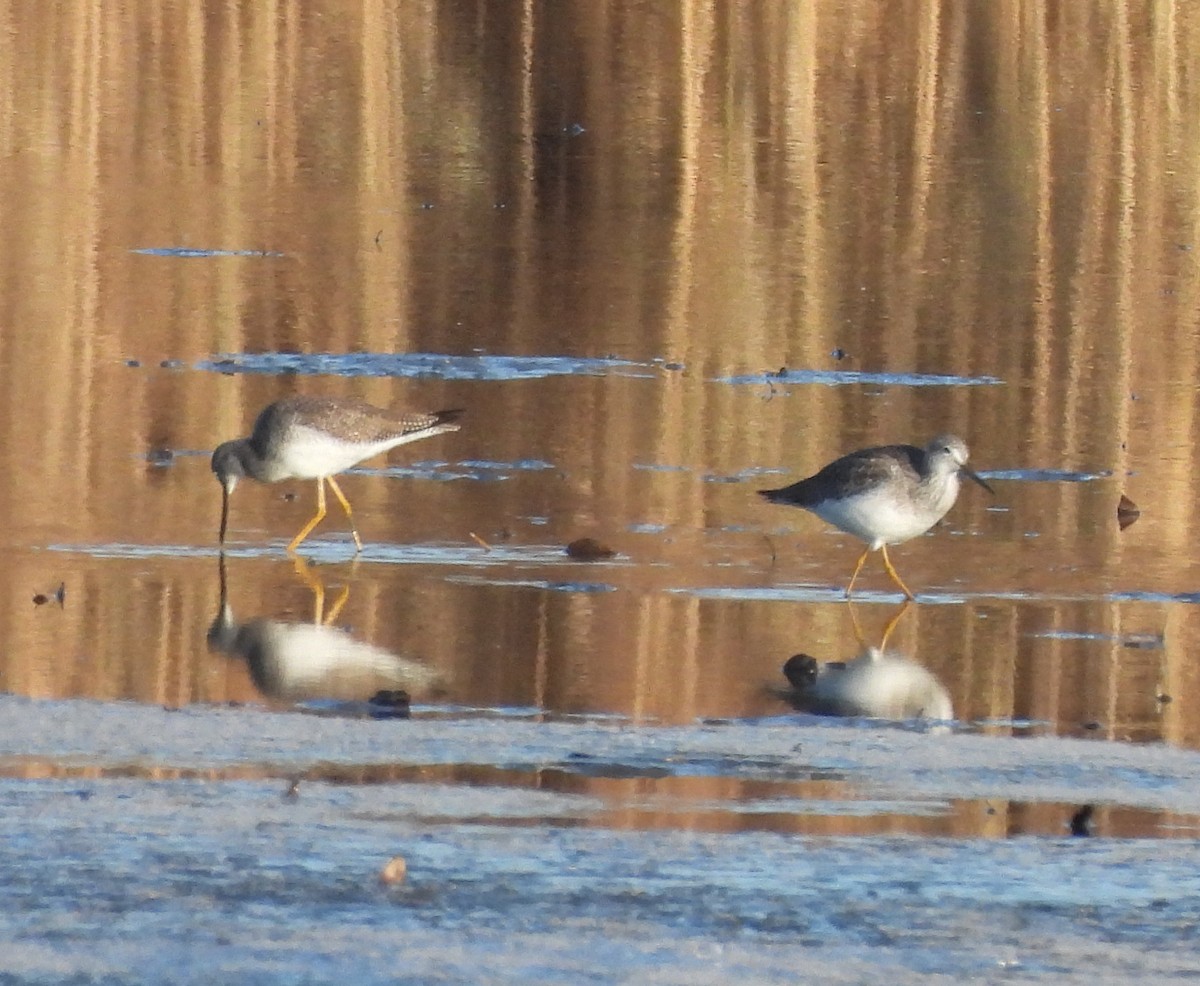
[884, 495]
[316, 438]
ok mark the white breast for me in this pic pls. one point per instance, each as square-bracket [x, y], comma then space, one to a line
[879, 517]
[309, 453]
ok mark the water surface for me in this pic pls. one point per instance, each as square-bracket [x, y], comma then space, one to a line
[662, 256]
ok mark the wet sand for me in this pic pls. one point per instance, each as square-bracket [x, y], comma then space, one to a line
[127, 827]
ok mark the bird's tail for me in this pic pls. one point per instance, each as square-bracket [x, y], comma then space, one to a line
[425, 424]
[774, 496]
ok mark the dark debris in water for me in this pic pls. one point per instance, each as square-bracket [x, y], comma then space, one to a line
[588, 549]
[1127, 512]
[59, 596]
[1081, 821]
[390, 703]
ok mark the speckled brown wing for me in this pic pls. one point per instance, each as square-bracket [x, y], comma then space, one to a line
[352, 420]
[850, 474]
[410, 422]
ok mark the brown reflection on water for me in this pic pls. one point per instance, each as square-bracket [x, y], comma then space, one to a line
[831, 807]
[971, 190]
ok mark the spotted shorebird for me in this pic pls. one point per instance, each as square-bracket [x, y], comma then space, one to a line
[316, 438]
[884, 495]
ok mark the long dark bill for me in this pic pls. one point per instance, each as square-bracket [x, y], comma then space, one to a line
[977, 479]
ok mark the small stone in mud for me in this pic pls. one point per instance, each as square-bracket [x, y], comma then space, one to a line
[160, 456]
[59, 596]
[390, 703]
[1081, 821]
[1127, 512]
[588, 549]
[838, 354]
[394, 871]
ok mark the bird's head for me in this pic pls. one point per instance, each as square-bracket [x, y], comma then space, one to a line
[228, 465]
[949, 453]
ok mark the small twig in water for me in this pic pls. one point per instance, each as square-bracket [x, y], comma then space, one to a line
[771, 545]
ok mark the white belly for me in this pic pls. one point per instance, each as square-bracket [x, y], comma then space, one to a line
[310, 453]
[880, 518]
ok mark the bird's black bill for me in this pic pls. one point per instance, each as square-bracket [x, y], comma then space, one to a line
[979, 480]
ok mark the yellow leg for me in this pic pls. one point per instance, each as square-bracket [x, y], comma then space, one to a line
[310, 579]
[858, 634]
[887, 563]
[857, 569]
[891, 625]
[307, 529]
[338, 603]
[349, 516]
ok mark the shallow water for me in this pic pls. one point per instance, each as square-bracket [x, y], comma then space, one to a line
[548, 850]
[235, 879]
[663, 256]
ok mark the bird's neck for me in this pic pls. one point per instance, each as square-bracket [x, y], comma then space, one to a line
[256, 465]
[945, 486]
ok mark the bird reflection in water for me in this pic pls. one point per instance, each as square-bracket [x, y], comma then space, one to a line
[877, 684]
[317, 666]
